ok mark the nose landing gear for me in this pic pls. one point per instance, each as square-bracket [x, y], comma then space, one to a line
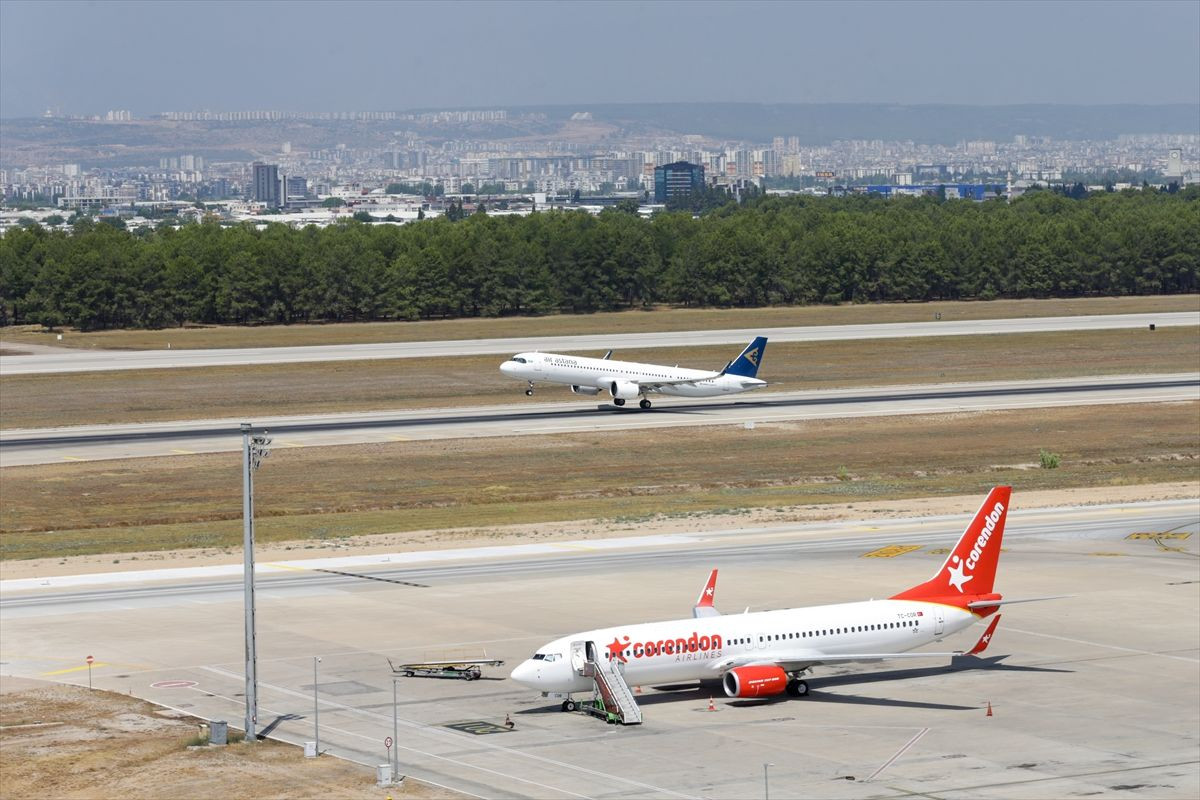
[529, 391]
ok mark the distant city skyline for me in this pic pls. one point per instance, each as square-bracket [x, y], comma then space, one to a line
[95, 57]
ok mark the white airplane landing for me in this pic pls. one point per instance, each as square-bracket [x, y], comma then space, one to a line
[630, 380]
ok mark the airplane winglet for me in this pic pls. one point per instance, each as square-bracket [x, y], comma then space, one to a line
[704, 603]
[986, 639]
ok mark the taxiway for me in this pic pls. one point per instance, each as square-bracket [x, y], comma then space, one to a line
[1093, 694]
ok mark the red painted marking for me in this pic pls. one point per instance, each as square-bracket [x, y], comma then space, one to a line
[173, 685]
[90, 660]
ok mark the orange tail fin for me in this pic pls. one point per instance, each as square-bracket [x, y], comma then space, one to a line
[970, 569]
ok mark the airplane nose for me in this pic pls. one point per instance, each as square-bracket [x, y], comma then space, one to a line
[508, 368]
[525, 672]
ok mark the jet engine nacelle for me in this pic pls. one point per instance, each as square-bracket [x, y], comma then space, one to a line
[588, 390]
[761, 681]
[624, 390]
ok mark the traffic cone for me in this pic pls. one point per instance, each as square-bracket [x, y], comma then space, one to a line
[989, 711]
[637, 690]
[711, 706]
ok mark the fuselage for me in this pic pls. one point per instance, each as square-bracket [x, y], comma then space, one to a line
[600, 374]
[694, 649]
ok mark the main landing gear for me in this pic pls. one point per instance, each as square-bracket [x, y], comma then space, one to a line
[645, 403]
[570, 705]
[797, 688]
[529, 391]
[618, 401]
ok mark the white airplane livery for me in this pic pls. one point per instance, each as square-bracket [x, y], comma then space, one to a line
[629, 380]
[766, 653]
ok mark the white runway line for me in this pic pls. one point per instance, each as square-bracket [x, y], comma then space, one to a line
[897, 755]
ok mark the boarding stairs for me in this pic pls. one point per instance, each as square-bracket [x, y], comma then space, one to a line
[612, 693]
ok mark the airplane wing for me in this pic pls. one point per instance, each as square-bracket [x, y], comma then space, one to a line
[656, 384]
[992, 603]
[792, 661]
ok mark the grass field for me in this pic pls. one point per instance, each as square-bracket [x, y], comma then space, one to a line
[30, 401]
[323, 493]
[659, 319]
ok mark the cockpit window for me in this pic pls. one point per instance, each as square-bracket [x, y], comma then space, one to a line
[547, 656]
[519, 360]
[538, 656]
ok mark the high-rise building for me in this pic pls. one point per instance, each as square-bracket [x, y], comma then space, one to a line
[266, 184]
[297, 188]
[678, 179]
[1174, 169]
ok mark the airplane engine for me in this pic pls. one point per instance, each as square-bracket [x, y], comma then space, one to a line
[762, 681]
[588, 390]
[624, 390]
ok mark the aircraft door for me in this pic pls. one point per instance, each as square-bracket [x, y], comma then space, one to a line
[939, 622]
[578, 656]
[762, 639]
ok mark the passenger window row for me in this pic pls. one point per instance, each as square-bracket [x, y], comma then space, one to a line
[775, 637]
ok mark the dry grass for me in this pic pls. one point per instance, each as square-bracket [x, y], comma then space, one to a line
[659, 319]
[31, 401]
[98, 745]
[322, 493]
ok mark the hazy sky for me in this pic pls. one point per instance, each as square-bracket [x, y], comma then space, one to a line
[88, 57]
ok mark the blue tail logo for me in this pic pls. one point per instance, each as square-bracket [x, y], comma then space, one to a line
[747, 363]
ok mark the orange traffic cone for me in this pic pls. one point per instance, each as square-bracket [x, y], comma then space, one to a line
[711, 706]
[989, 711]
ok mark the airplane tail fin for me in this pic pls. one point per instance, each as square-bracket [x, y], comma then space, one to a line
[748, 361]
[704, 603]
[970, 569]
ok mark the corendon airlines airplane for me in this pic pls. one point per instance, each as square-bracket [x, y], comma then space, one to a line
[629, 380]
[767, 652]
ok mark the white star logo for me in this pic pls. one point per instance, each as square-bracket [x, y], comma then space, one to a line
[709, 591]
[987, 637]
[957, 578]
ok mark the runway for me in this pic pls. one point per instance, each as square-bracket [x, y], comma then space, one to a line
[94, 361]
[1093, 694]
[54, 445]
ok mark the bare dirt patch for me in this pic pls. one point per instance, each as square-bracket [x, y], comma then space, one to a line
[313, 496]
[658, 319]
[67, 742]
[32, 401]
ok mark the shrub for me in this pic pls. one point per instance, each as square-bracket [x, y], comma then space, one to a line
[1049, 460]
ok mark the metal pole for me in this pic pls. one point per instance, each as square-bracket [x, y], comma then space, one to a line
[248, 561]
[89, 674]
[395, 737]
[316, 708]
[766, 783]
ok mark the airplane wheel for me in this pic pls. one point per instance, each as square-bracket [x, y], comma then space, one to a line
[797, 688]
[529, 392]
[617, 401]
[408, 673]
[569, 705]
[644, 404]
